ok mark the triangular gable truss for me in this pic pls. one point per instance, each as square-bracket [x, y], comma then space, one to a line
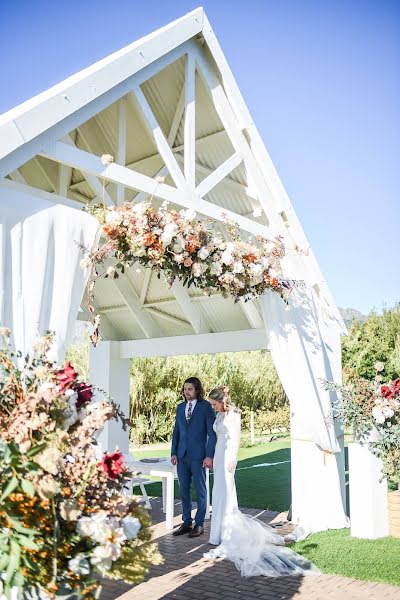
[55, 126]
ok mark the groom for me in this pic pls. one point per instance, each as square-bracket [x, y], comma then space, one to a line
[192, 450]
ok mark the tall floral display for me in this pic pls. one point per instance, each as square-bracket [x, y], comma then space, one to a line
[66, 519]
[372, 409]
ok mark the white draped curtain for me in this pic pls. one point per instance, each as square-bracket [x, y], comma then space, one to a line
[41, 281]
[304, 342]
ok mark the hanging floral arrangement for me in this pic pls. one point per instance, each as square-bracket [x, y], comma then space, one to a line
[184, 247]
[65, 517]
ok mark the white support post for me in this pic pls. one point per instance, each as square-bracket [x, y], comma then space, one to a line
[367, 494]
[190, 123]
[111, 373]
[64, 180]
[121, 153]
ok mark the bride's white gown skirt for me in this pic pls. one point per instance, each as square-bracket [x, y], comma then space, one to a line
[254, 547]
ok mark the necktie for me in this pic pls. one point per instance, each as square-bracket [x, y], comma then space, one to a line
[189, 412]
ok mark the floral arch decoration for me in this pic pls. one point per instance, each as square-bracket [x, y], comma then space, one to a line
[186, 248]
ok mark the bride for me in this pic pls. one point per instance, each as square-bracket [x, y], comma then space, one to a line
[254, 547]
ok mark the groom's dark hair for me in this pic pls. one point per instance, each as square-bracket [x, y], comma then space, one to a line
[198, 386]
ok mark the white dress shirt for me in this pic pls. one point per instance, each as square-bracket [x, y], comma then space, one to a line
[187, 407]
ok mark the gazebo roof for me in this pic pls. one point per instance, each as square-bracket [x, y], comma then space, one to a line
[166, 105]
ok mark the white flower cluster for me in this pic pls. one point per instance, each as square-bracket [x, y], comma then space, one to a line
[384, 409]
[109, 534]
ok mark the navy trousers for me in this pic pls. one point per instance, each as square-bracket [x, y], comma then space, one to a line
[189, 469]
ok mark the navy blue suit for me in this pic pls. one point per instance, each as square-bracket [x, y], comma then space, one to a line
[191, 442]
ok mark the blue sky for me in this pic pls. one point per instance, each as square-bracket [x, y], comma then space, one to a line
[321, 79]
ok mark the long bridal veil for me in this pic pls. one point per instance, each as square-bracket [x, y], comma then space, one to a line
[256, 549]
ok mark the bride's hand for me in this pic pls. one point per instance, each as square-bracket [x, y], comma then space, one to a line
[231, 466]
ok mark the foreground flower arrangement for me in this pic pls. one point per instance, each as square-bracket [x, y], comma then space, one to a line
[186, 248]
[65, 520]
[372, 409]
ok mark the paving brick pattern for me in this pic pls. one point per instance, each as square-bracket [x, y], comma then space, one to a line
[186, 575]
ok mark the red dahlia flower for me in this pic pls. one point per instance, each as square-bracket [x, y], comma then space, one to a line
[85, 394]
[113, 464]
[66, 377]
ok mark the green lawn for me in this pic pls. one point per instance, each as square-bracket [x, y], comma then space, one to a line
[336, 552]
[262, 487]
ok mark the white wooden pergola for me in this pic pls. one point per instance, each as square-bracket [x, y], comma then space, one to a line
[165, 106]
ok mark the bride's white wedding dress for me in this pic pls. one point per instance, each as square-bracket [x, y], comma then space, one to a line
[254, 547]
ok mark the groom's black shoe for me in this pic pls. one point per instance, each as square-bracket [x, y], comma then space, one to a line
[184, 528]
[196, 531]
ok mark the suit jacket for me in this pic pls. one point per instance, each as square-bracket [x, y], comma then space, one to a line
[197, 438]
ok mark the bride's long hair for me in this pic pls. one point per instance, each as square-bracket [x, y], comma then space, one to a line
[221, 394]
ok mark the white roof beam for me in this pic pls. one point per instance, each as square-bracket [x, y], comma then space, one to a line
[160, 140]
[145, 286]
[191, 311]
[176, 121]
[121, 151]
[203, 343]
[170, 318]
[130, 297]
[18, 177]
[49, 196]
[252, 314]
[92, 164]
[227, 180]
[190, 122]
[219, 174]
[97, 187]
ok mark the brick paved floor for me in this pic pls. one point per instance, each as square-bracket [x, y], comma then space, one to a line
[186, 575]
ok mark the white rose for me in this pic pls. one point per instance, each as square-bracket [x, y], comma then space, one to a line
[203, 253]
[387, 411]
[178, 246]
[94, 527]
[113, 218]
[139, 209]
[227, 257]
[110, 271]
[256, 270]
[273, 273]
[378, 415]
[178, 258]
[131, 527]
[238, 266]
[100, 559]
[79, 565]
[169, 231]
[196, 269]
[265, 262]
[216, 268]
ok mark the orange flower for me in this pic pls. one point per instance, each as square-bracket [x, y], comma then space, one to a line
[149, 239]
